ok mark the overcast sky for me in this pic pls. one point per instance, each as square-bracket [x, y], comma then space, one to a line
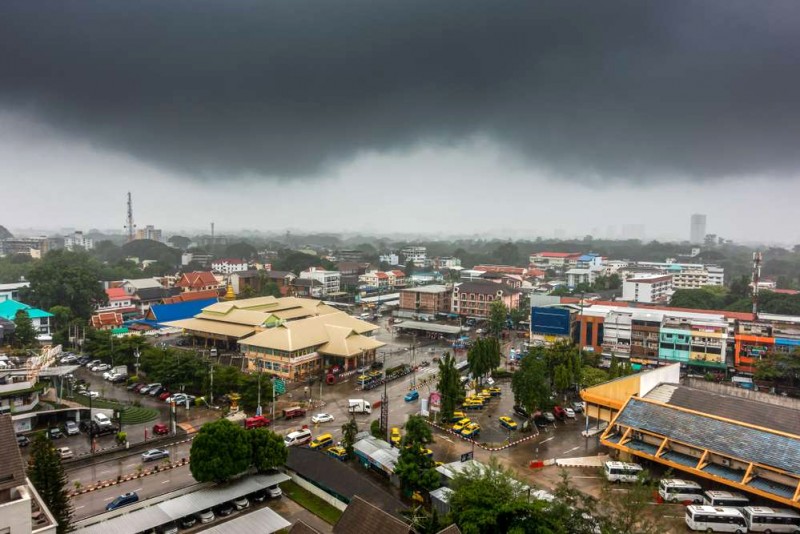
[513, 119]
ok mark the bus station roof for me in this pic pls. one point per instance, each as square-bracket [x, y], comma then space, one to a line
[429, 327]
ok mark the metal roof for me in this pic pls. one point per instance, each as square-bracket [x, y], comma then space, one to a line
[263, 521]
[724, 437]
[430, 327]
[152, 513]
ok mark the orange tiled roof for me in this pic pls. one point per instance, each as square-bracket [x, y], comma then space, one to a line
[117, 293]
[193, 295]
[197, 279]
[102, 319]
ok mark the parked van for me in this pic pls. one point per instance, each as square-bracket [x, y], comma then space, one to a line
[621, 471]
[298, 437]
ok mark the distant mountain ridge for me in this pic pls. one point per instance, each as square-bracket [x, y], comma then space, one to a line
[5, 234]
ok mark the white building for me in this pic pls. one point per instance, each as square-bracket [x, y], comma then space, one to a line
[11, 291]
[586, 275]
[647, 288]
[687, 275]
[391, 258]
[698, 228]
[331, 280]
[417, 255]
[447, 262]
[78, 241]
[229, 266]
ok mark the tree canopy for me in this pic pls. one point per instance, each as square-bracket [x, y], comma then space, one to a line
[267, 448]
[48, 477]
[498, 317]
[449, 386]
[24, 333]
[65, 278]
[484, 356]
[220, 451]
[414, 467]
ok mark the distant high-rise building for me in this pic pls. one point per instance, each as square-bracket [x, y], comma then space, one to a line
[698, 228]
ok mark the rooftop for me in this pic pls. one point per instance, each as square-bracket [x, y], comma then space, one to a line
[10, 307]
[433, 288]
[363, 516]
[484, 287]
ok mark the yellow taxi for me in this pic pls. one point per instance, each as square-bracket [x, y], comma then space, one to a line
[473, 404]
[395, 436]
[495, 391]
[507, 423]
[471, 430]
[323, 440]
[457, 416]
[461, 424]
[485, 394]
[337, 452]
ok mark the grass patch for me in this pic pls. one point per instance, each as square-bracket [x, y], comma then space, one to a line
[131, 415]
[311, 502]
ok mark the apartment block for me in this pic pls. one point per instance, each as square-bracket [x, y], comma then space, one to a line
[647, 288]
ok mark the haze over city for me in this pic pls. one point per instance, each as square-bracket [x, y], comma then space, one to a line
[508, 121]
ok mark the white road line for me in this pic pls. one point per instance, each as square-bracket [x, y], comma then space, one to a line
[165, 481]
[572, 449]
[109, 498]
[79, 507]
[548, 439]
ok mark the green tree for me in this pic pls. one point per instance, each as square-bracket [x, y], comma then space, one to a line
[700, 299]
[375, 430]
[414, 468]
[60, 323]
[24, 333]
[629, 514]
[498, 315]
[449, 386]
[593, 376]
[65, 278]
[267, 448]
[241, 250]
[484, 356]
[529, 384]
[48, 477]
[179, 241]
[349, 431]
[220, 451]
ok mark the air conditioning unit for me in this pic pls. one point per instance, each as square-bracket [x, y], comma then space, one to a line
[726, 462]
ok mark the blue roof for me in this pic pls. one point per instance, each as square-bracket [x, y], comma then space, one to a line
[10, 307]
[587, 257]
[725, 437]
[180, 310]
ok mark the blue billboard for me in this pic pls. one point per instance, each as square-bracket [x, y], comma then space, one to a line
[553, 321]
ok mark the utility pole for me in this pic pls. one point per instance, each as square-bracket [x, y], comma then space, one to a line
[258, 408]
[211, 388]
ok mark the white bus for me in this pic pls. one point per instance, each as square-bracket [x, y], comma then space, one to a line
[677, 490]
[725, 498]
[764, 519]
[621, 472]
[715, 519]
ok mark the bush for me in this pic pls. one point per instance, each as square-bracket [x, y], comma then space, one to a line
[375, 429]
[501, 373]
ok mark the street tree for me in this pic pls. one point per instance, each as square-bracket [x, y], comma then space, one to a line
[268, 449]
[414, 468]
[349, 431]
[65, 278]
[529, 384]
[484, 356]
[24, 333]
[220, 451]
[630, 514]
[498, 315]
[449, 386]
[48, 477]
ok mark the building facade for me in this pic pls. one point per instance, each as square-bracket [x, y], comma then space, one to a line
[229, 266]
[78, 241]
[697, 230]
[474, 299]
[649, 289]
[427, 300]
[330, 280]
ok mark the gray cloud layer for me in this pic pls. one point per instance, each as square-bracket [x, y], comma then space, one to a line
[614, 89]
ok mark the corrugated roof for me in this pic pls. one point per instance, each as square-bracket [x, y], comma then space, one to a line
[12, 473]
[151, 513]
[362, 516]
[10, 307]
[263, 521]
[179, 310]
[725, 437]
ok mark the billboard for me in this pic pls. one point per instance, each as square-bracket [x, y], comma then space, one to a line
[551, 321]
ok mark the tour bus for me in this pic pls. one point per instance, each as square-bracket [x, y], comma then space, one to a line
[764, 519]
[621, 472]
[715, 519]
[677, 490]
[725, 498]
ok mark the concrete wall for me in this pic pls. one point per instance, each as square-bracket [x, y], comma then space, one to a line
[327, 497]
[669, 374]
[734, 391]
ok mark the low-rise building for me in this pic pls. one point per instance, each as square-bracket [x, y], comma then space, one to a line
[11, 291]
[554, 260]
[199, 281]
[417, 255]
[330, 280]
[426, 300]
[78, 241]
[229, 266]
[474, 299]
[41, 319]
[149, 232]
[647, 288]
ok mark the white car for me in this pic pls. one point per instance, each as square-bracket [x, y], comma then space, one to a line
[100, 367]
[92, 394]
[322, 418]
[570, 413]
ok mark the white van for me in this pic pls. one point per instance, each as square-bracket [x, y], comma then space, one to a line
[766, 519]
[621, 471]
[725, 498]
[715, 519]
[298, 437]
[677, 490]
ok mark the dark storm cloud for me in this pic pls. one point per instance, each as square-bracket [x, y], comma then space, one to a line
[637, 89]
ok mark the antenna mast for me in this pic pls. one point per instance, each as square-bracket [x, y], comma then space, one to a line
[756, 279]
[130, 226]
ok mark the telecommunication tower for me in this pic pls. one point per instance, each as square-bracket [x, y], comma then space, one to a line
[129, 225]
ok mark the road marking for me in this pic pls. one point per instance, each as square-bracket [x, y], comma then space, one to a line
[548, 439]
[79, 507]
[584, 477]
[109, 498]
[165, 481]
[572, 449]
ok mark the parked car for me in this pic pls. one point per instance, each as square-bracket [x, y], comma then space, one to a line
[188, 521]
[133, 385]
[395, 437]
[100, 367]
[377, 365]
[225, 509]
[154, 454]
[471, 430]
[259, 496]
[69, 358]
[337, 452]
[71, 428]
[520, 411]
[83, 360]
[164, 395]
[295, 411]
[156, 391]
[93, 363]
[55, 433]
[577, 407]
[507, 423]
[159, 429]
[64, 452]
[570, 413]
[549, 416]
[23, 441]
[321, 441]
[206, 516]
[459, 426]
[92, 394]
[322, 418]
[123, 500]
[559, 412]
[274, 491]
[138, 387]
[241, 503]
[412, 395]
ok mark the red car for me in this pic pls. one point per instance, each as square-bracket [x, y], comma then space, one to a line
[256, 422]
[164, 396]
[159, 429]
[138, 387]
[559, 412]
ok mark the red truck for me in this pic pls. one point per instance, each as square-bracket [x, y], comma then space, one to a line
[291, 413]
[257, 421]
